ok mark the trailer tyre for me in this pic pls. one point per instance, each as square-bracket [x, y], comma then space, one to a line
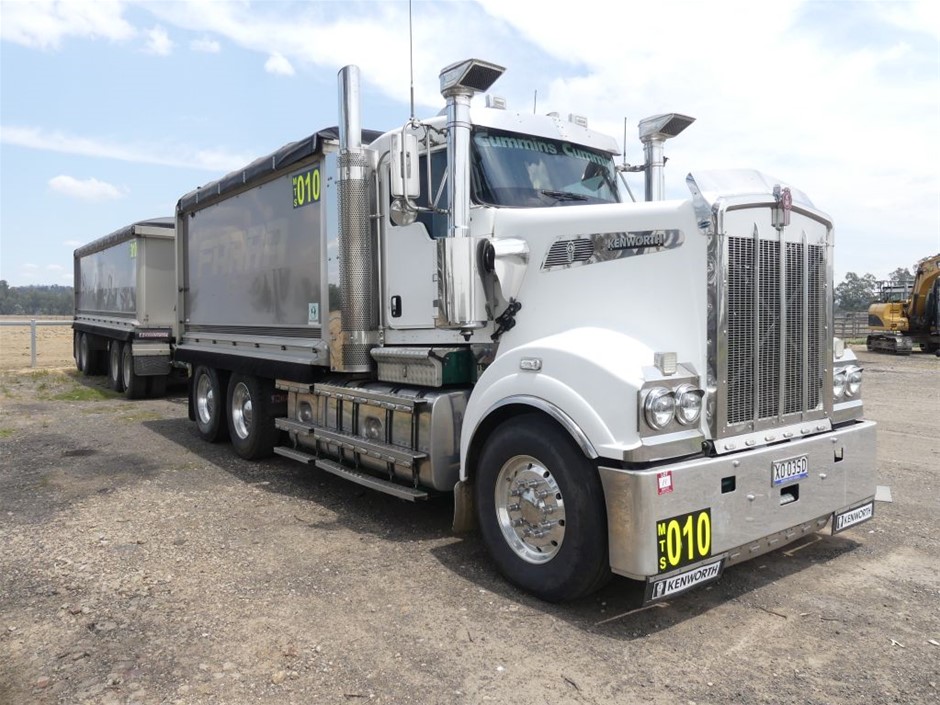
[251, 416]
[88, 357]
[208, 396]
[77, 351]
[156, 386]
[116, 366]
[541, 510]
[135, 386]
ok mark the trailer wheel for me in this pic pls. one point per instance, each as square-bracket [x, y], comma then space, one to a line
[251, 416]
[541, 510]
[208, 394]
[76, 350]
[135, 386]
[87, 358]
[116, 366]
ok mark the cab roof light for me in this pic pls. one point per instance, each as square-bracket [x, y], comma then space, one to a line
[497, 102]
[579, 120]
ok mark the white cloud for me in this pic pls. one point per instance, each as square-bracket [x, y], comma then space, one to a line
[205, 45]
[43, 24]
[158, 42]
[30, 266]
[278, 65]
[183, 155]
[73, 243]
[55, 268]
[85, 189]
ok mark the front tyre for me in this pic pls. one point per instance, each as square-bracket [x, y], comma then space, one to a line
[251, 416]
[541, 510]
[208, 392]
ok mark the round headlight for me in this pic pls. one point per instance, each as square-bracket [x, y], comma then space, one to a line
[838, 384]
[305, 412]
[660, 406]
[853, 380]
[688, 404]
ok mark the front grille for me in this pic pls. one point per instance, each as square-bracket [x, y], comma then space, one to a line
[775, 329]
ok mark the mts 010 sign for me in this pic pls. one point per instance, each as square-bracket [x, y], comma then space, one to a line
[306, 187]
[684, 539]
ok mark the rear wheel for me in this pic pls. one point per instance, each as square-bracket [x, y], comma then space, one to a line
[116, 366]
[88, 356]
[135, 386]
[156, 386]
[541, 510]
[208, 393]
[76, 350]
[251, 416]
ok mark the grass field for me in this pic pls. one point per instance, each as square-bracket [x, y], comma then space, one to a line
[53, 343]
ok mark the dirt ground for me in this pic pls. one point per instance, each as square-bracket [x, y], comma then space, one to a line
[139, 564]
[53, 343]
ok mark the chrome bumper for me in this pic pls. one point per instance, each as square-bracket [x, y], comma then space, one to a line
[842, 474]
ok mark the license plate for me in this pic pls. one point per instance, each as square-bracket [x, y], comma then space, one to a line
[851, 517]
[784, 472]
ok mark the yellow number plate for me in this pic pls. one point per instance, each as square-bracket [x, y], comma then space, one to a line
[684, 539]
[306, 187]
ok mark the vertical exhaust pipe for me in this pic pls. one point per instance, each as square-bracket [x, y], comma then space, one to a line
[654, 131]
[357, 261]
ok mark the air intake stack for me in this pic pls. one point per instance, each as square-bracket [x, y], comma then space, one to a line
[654, 131]
[461, 298]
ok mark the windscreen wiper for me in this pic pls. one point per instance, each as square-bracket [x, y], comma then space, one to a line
[563, 195]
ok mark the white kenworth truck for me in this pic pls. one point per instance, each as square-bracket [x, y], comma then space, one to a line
[125, 299]
[468, 304]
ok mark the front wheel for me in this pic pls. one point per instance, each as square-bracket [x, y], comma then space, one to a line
[251, 414]
[541, 510]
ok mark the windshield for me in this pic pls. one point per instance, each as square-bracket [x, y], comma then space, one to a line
[510, 169]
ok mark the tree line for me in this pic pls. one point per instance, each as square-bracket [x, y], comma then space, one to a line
[856, 293]
[46, 300]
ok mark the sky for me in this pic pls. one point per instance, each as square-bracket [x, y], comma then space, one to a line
[111, 110]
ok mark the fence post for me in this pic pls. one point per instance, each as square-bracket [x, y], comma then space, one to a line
[32, 342]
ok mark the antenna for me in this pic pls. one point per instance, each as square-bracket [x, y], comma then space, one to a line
[411, 62]
[624, 160]
[535, 101]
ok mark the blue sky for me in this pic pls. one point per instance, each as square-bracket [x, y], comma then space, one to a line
[110, 110]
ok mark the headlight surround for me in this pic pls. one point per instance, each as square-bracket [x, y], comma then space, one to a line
[659, 407]
[853, 380]
[838, 384]
[688, 404]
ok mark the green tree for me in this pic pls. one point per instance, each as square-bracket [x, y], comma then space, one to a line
[901, 275]
[856, 293]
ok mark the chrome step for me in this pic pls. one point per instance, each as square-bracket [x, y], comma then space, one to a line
[360, 478]
[374, 449]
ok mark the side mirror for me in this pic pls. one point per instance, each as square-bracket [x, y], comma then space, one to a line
[406, 182]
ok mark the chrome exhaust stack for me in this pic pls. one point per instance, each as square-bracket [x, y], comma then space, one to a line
[358, 331]
[461, 297]
[654, 131]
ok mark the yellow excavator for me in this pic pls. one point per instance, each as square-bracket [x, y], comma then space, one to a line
[908, 313]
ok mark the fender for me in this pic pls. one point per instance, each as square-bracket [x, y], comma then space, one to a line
[587, 380]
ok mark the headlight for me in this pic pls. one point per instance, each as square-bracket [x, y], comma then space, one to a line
[659, 407]
[853, 380]
[688, 404]
[838, 384]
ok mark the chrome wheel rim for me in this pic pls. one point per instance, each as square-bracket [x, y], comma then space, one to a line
[205, 399]
[530, 509]
[241, 410]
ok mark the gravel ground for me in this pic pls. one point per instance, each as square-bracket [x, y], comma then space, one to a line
[141, 565]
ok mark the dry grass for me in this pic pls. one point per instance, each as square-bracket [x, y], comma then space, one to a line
[53, 344]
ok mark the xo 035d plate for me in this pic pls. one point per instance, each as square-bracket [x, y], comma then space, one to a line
[785, 472]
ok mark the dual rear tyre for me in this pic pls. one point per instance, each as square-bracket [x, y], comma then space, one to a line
[238, 407]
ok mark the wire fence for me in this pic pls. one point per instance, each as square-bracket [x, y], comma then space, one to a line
[850, 324]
